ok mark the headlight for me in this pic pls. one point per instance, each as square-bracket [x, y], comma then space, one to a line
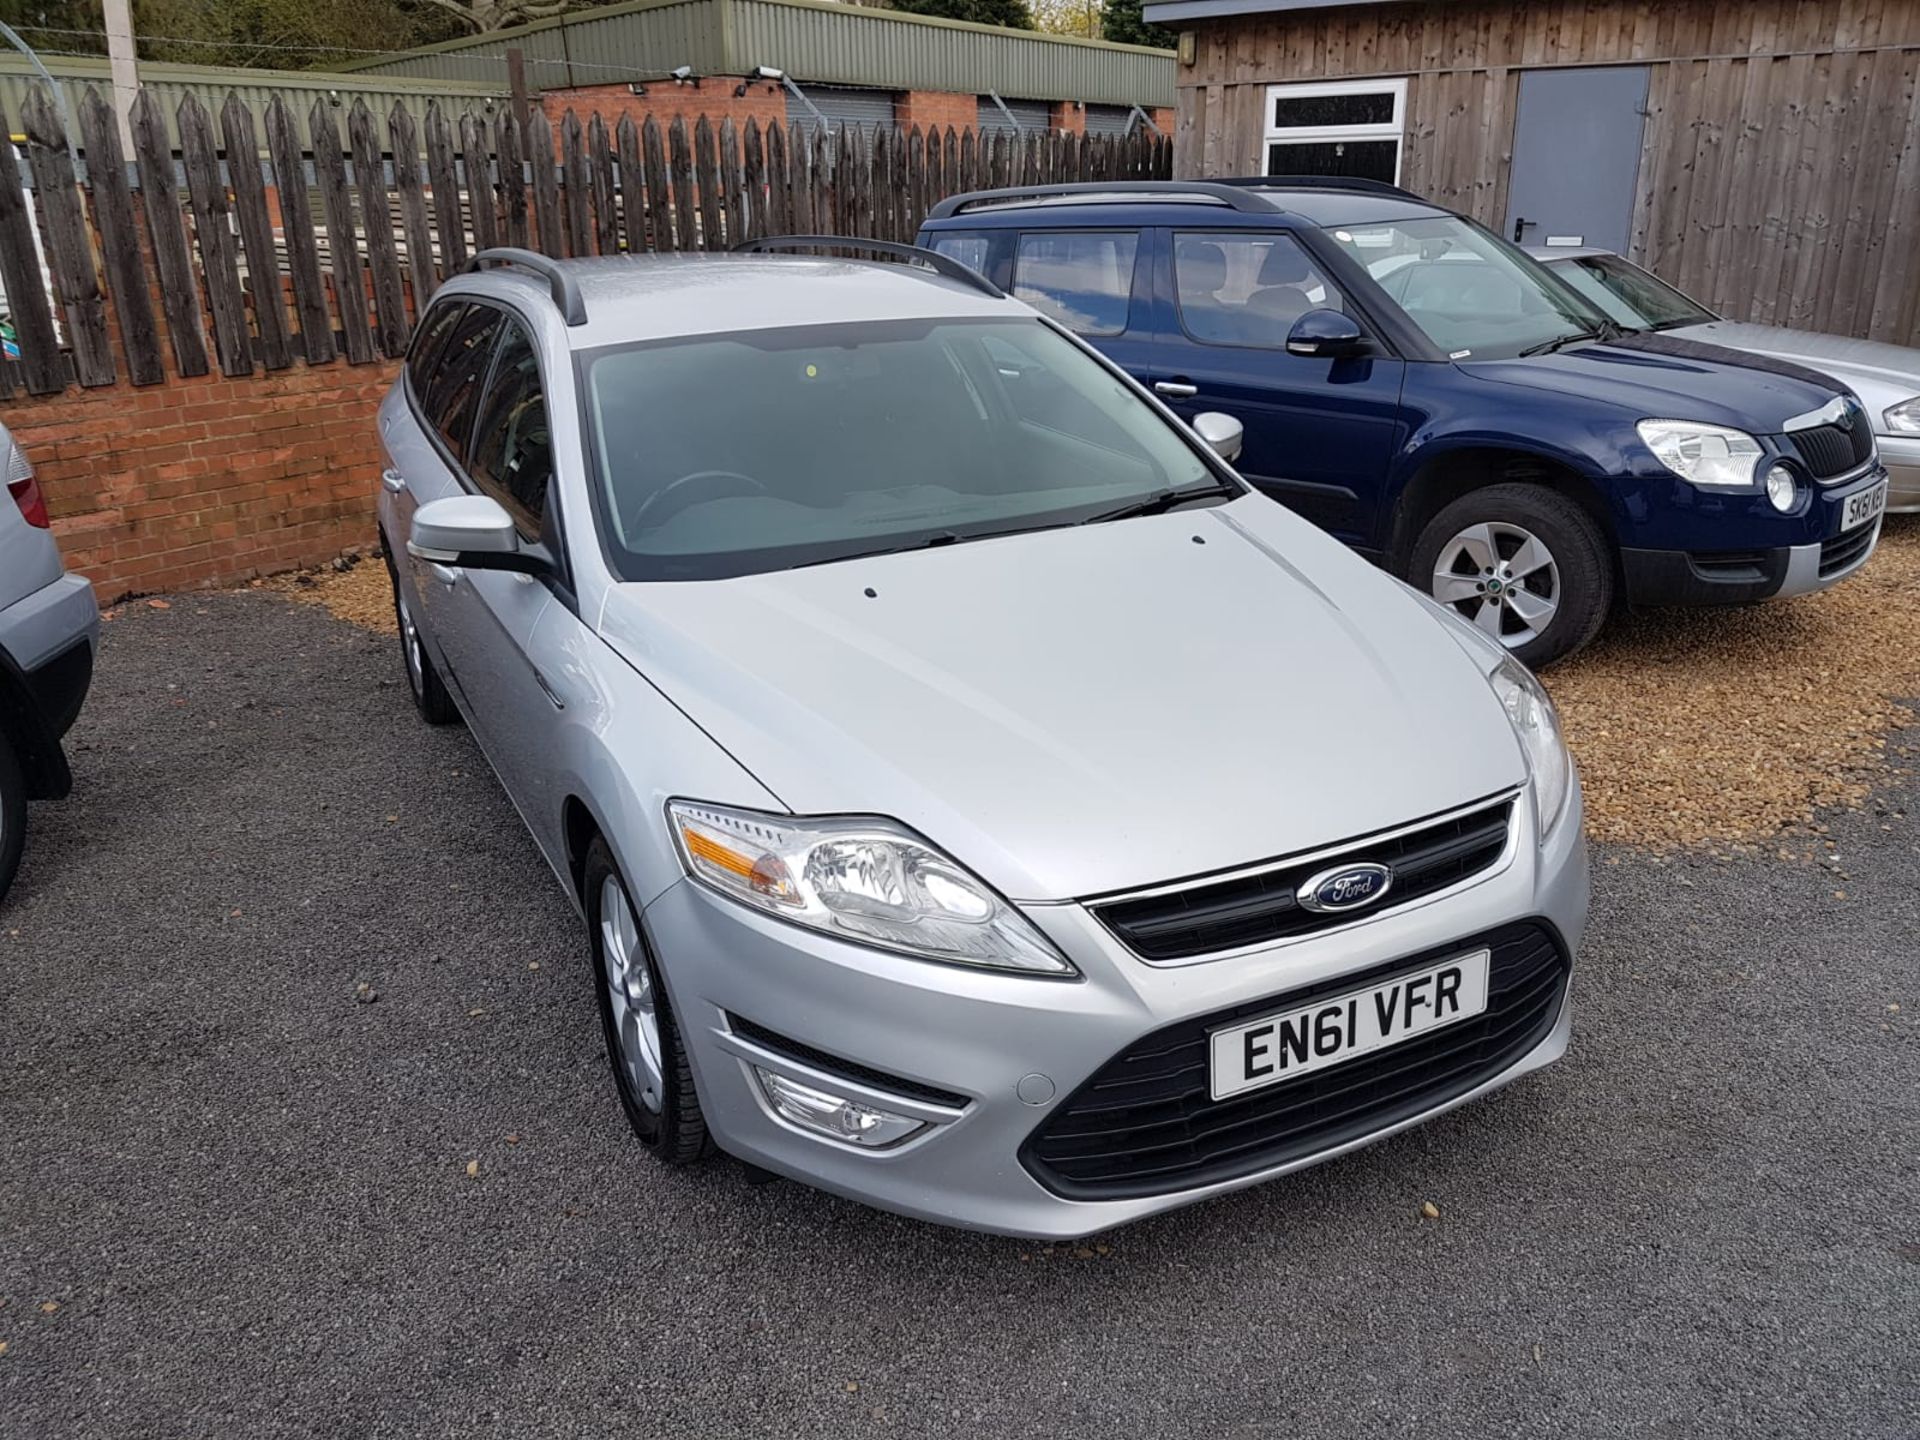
[868, 880]
[1904, 418]
[1538, 725]
[1706, 455]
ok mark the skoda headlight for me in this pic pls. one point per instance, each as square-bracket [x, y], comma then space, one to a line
[1538, 725]
[864, 879]
[1707, 455]
[1904, 418]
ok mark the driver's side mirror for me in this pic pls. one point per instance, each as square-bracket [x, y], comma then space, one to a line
[1326, 335]
[474, 532]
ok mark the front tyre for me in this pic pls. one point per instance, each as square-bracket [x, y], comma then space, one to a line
[644, 1048]
[429, 692]
[1524, 564]
[13, 814]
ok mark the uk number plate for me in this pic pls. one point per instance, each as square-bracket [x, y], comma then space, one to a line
[1862, 507]
[1329, 1032]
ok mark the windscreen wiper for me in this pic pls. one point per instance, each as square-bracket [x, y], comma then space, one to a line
[1605, 330]
[1159, 503]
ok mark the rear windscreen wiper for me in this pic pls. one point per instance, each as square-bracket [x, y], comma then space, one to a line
[1159, 503]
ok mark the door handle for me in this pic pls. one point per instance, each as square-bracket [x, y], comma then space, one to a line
[1519, 226]
[394, 481]
[1178, 389]
[447, 575]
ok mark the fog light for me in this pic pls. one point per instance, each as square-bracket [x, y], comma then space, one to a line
[1782, 489]
[834, 1116]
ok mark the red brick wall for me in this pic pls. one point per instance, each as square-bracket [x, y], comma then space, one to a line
[1067, 116]
[207, 481]
[942, 108]
[667, 102]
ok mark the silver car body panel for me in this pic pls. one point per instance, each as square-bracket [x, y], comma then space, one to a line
[43, 610]
[1068, 712]
[1095, 682]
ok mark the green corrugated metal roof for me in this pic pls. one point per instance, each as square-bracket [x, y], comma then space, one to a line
[812, 40]
[211, 84]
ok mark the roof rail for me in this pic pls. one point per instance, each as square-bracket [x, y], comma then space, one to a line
[1210, 192]
[560, 283]
[1316, 182]
[944, 264]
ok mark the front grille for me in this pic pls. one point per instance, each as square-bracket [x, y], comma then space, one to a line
[1210, 916]
[834, 1065]
[1845, 551]
[1830, 451]
[1145, 1124]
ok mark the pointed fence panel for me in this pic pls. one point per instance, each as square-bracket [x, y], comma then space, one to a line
[213, 228]
[69, 244]
[444, 184]
[120, 241]
[343, 244]
[303, 249]
[256, 234]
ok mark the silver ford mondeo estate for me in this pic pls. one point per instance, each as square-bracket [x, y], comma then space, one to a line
[981, 804]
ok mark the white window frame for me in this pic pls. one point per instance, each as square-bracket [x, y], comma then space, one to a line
[1393, 129]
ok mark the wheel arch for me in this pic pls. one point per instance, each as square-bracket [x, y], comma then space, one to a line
[43, 763]
[1444, 475]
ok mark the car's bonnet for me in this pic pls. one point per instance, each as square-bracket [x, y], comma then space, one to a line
[1880, 374]
[1656, 377]
[1072, 712]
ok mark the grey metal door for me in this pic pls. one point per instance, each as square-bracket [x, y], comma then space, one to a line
[1576, 156]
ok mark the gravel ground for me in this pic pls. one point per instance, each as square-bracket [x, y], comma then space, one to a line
[236, 1201]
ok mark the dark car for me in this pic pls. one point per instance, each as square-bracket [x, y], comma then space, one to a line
[1440, 401]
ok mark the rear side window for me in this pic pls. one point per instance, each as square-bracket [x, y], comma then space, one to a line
[1241, 289]
[970, 249]
[459, 370]
[512, 450]
[1083, 279]
[427, 341]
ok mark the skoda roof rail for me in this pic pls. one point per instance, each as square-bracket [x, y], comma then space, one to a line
[1317, 182]
[560, 284]
[1204, 192]
[944, 264]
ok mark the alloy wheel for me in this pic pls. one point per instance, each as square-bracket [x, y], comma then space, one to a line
[630, 994]
[1501, 578]
[410, 643]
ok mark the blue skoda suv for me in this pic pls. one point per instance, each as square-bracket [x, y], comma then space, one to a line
[1444, 403]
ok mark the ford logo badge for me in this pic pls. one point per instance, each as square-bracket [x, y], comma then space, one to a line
[1350, 887]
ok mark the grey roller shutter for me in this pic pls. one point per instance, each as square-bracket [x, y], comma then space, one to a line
[1027, 115]
[1110, 119]
[841, 106]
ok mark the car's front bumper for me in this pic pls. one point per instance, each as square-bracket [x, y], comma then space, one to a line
[1008, 1049]
[1766, 572]
[1901, 455]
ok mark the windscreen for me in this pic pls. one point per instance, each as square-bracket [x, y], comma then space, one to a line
[1473, 295]
[730, 454]
[1629, 295]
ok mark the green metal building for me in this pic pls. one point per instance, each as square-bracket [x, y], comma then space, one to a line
[816, 42]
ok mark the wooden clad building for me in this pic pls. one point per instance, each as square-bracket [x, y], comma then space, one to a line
[1764, 155]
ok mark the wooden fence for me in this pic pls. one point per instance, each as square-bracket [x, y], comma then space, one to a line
[318, 247]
